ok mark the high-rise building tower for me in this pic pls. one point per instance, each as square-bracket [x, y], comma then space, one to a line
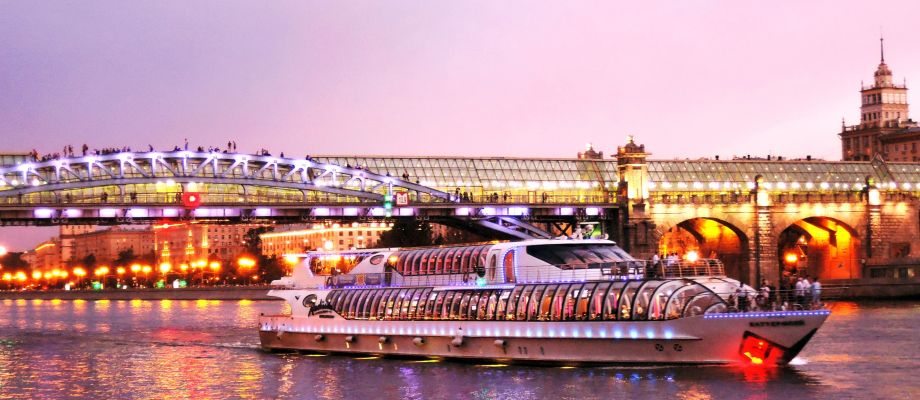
[884, 120]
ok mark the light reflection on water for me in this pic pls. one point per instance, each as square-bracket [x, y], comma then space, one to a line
[209, 349]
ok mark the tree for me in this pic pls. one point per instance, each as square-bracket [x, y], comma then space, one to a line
[126, 257]
[89, 261]
[13, 261]
[253, 241]
[407, 232]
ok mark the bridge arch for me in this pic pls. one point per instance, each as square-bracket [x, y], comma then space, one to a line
[819, 246]
[710, 237]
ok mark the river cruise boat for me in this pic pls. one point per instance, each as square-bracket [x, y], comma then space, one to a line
[537, 301]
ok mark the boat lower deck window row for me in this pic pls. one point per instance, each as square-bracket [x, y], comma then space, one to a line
[592, 301]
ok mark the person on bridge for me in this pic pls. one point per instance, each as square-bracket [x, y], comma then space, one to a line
[816, 293]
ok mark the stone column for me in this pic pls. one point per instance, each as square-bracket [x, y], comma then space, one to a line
[764, 262]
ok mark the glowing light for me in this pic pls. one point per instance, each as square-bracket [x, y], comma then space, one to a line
[791, 258]
[165, 267]
[692, 256]
[120, 270]
[290, 259]
[245, 262]
[135, 268]
[80, 272]
[36, 275]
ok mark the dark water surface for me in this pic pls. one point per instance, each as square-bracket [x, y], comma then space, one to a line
[209, 349]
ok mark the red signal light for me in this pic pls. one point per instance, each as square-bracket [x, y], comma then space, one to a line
[191, 199]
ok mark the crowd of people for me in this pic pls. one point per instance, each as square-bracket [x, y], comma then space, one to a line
[798, 293]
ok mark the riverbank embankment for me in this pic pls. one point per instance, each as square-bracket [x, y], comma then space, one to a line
[203, 293]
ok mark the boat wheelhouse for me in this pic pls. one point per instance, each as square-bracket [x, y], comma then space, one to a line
[563, 301]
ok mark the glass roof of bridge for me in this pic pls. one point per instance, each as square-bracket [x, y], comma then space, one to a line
[706, 173]
[449, 172]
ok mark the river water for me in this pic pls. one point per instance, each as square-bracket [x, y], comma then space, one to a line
[209, 349]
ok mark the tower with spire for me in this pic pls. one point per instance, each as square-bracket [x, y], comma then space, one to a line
[883, 117]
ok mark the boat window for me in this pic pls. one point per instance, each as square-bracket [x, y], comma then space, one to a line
[659, 299]
[464, 260]
[354, 303]
[502, 304]
[392, 311]
[445, 309]
[533, 306]
[473, 307]
[507, 310]
[582, 301]
[449, 261]
[442, 306]
[522, 303]
[626, 299]
[546, 303]
[596, 308]
[439, 262]
[418, 306]
[365, 306]
[643, 299]
[463, 309]
[701, 302]
[421, 264]
[435, 261]
[508, 265]
[493, 304]
[332, 297]
[717, 308]
[455, 305]
[483, 303]
[370, 303]
[612, 302]
[575, 255]
[568, 305]
[343, 302]
[406, 262]
[401, 258]
[382, 303]
[490, 268]
[677, 302]
[432, 305]
[559, 301]
[406, 300]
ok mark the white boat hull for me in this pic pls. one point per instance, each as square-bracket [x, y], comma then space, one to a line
[715, 338]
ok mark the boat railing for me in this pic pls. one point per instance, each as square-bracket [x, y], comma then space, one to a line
[761, 300]
[565, 272]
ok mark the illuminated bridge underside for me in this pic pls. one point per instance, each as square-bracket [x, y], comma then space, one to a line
[138, 187]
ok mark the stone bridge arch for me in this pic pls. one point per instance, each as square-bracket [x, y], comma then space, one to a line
[709, 237]
[823, 246]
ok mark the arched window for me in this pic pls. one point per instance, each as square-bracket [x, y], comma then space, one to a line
[445, 309]
[508, 265]
[596, 306]
[449, 260]
[522, 303]
[464, 260]
[492, 306]
[512, 303]
[407, 263]
[468, 311]
[559, 301]
[439, 263]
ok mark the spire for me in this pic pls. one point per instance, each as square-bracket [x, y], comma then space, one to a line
[882, 43]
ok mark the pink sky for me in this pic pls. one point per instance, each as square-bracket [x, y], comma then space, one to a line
[510, 78]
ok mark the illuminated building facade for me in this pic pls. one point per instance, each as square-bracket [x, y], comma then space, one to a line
[325, 237]
[105, 245]
[885, 127]
[185, 243]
